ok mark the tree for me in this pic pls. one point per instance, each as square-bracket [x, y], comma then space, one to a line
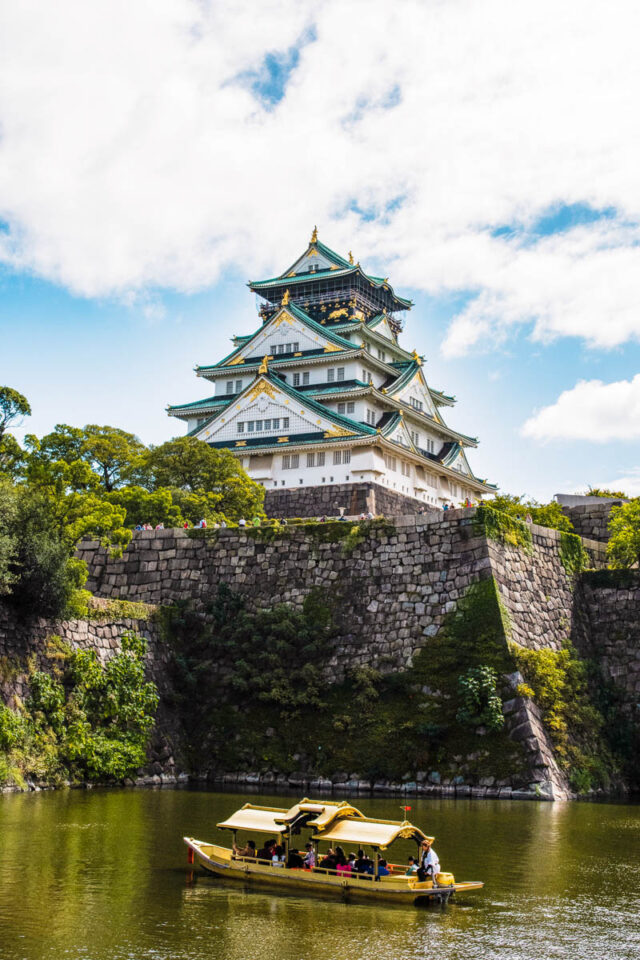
[113, 455]
[144, 506]
[623, 548]
[545, 514]
[604, 492]
[193, 467]
[13, 406]
[13, 459]
[8, 510]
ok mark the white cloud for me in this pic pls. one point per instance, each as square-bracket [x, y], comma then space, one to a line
[133, 155]
[592, 410]
[628, 483]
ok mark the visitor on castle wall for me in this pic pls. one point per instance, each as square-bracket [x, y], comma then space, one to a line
[323, 519]
[159, 526]
[139, 526]
[186, 524]
[256, 521]
[283, 521]
[223, 524]
[242, 522]
[446, 506]
[369, 515]
[529, 518]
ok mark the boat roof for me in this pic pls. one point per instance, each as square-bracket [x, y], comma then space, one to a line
[366, 832]
[334, 822]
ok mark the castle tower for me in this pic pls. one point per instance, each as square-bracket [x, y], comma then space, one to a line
[322, 393]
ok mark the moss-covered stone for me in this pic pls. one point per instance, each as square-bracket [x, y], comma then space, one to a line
[499, 526]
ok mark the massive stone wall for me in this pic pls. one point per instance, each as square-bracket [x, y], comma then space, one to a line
[610, 634]
[352, 498]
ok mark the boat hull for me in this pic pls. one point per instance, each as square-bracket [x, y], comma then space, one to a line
[219, 861]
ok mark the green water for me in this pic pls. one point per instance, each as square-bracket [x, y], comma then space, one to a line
[102, 874]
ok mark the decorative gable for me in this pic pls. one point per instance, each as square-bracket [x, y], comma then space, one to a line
[416, 394]
[266, 410]
[286, 332]
[401, 435]
[382, 327]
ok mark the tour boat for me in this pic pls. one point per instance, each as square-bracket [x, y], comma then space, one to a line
[327, 824]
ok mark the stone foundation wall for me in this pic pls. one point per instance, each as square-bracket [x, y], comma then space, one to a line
[355, 498]
[591, 520]
[610, 601]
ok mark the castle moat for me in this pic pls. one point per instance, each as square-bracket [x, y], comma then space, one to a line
[103, 874]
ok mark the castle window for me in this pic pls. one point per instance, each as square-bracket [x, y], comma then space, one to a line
[285, 423]
[258, 426]
[416, 404]
[389, 462]
[281, 348]
[340, 373]
[320, 460]
[351, 407]
[331, 374]
[273, 348]
[276, 424]
[241, 428]
[229, 386]
[305, 378]
[346, 456]
[286, 462]
[371, 417]
[296, 347]
[311, 459]
[267, 424]
[295, 461]
[341, 407]
[406, 469]
[238, 386]
[381, 354]
[289, 347]
[250, 426]
[365, 376]
[296, 379]
[337, 457]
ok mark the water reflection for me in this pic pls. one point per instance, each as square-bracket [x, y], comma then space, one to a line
[103, 875]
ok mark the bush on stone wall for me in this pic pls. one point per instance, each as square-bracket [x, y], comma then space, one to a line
[83, 720]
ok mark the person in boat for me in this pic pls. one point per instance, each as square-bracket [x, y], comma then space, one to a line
[345, 867]
[429, 863]
[295, 861]
[249, 850]
[277, 859]
[383, 869]
[328, 862]
[341, 860]
[310, 856]
[266, 852]
[412, 867]
[363, 864]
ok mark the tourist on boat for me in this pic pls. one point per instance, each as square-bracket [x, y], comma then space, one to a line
[277, 859]
[363, 863]
[340, 857]
[383, 869]
[347, 866]
[249, 850]
[310, 856]
[266, 852]
[429, 863]
[295, 861]
[328, 862]
[412, 868]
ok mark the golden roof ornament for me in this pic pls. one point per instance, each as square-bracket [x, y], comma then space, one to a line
[350, 258]
[264, 366]
[285, 299]
[314, 235]
[417, 358]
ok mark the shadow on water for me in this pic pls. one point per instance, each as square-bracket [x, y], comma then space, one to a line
[103, 875]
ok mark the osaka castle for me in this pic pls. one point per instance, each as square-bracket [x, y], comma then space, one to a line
[323, 393]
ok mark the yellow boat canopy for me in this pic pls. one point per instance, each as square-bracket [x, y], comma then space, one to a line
[276, 820]
[373, 833]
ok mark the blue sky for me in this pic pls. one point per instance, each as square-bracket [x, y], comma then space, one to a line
[152, 163]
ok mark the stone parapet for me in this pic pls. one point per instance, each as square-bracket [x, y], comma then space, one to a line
[352, 498]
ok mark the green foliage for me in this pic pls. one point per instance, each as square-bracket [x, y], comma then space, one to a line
[83, 720]
[604, 492]
[147, 506]
[623, 548]
[480, 704]
[544, 514]
[113, 455]
[210, 481]
[573, 556]
[497, 525]
[13, 407]
[559, 681]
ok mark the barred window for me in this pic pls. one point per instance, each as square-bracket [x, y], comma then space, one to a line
[276, 423]
[229, 386]
[346, 456]
[286, 462]
[267, 424]
[341, 407]
[295, 461]
[296, 347]
[351, 407]
[285, 423]
[340, 373]
[241, 428]
[238, 386]
[331, 374]
[258, 426]
[337, 456]
[305, 378]
[250, 426]
[273, 348]
[296, 379]
[320, 460]
[288, 346]
[311, 459]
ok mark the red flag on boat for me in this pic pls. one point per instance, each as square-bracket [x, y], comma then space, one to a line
[406, 808]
